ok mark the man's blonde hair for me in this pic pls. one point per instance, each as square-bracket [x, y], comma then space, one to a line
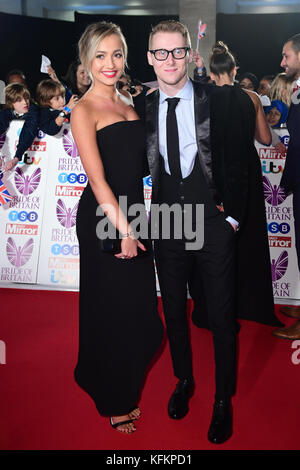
[170, 26]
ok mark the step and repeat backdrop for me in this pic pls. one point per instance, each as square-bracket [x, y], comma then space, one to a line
[280, 222]
[38, 208]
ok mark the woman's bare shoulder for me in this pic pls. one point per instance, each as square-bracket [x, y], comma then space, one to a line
[254, 96]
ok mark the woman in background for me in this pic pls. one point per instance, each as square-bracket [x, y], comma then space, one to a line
[252, 254]
[281, 89]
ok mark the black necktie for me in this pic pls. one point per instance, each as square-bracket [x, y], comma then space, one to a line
[172, 139]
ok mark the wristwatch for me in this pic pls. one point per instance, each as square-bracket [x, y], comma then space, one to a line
[63, 114]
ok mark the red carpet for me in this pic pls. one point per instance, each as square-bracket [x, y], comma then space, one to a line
[42, 408]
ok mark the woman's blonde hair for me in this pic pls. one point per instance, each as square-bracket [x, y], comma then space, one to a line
[281, 84]
[91, 37]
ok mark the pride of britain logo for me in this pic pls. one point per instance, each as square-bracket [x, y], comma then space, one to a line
[26, 184]
[69, 144]
[274, 195]
[17, 255]
[279, 266]
[66, 216]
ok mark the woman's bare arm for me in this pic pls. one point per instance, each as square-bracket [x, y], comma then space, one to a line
[262, 131]
[83, 126]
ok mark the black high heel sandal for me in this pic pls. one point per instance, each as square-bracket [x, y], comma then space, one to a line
[120, 423]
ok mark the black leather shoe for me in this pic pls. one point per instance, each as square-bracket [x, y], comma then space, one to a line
[179, 401]
[220, 428]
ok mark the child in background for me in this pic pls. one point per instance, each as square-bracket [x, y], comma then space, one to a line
[50, 95]
[19, 106]
[276, 113]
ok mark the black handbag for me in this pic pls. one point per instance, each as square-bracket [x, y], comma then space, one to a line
[113, 246]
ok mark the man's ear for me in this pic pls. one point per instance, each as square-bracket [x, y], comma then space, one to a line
[149, 57]
[190, 56]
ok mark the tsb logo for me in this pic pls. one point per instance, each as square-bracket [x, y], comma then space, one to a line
[148, 181]
[274, 227]
[65, 250]
[23, 216]
[72, 178]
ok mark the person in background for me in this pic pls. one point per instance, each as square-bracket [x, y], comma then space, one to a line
[16, 76]
[276, 113]
[282, 88]
[252, 247]
[124, 82]
[77, 78]
[200, 73]
[248, 81]
[76, 81]
[19, 106]
[50, 96]
[136, 87]
[290, 180]
[265, 85]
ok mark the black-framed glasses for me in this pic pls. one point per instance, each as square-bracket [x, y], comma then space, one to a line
[177, 53]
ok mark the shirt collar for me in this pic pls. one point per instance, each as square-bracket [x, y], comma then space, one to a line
[186, 93]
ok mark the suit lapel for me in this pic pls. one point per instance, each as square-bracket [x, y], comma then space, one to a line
[152, 103]
[202, 125]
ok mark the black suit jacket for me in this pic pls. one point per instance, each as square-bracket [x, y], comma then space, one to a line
[291, 174]
[220, 152]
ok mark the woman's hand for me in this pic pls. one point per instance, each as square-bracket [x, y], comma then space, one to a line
[129, 248]
[11, 164]
[52, 74]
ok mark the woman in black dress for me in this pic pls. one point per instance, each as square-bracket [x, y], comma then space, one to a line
[253, 267]
[120, 330]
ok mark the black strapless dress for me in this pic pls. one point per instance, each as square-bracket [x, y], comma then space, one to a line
[119, 326]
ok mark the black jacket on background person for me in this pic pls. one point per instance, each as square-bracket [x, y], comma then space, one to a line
[29, 129]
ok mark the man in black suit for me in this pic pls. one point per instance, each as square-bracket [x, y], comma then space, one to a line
[193, 161]
[290, 180]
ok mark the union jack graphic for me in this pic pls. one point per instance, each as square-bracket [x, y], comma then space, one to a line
[4, 194]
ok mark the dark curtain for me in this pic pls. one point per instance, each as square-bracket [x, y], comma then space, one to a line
[256, 40]
[24, 39]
